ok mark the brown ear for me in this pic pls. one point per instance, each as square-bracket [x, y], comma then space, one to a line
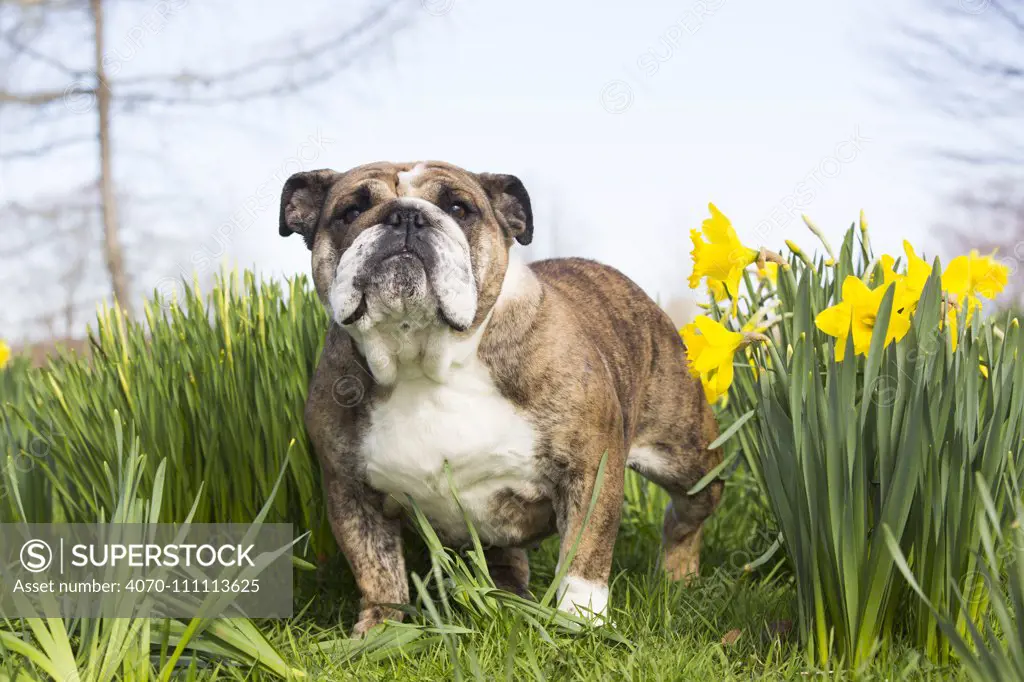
[302, 202]
[512, 204]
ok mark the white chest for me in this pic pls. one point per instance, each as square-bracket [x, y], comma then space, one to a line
[465, 422]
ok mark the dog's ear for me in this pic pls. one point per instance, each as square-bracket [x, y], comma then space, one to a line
[302, 202]
[511, 203]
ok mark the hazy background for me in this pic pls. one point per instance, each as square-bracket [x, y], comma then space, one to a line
[623, 120]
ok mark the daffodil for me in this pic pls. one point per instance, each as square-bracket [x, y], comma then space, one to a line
[717, 289]
[722, 258]
[5, 354]
[710, 348]
[856, 314]
[973, 276]
[769, 272]
[951, 320]
[918, 270]
[966, 278]
[909, 286]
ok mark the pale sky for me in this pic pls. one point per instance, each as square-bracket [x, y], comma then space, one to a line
[623, 120]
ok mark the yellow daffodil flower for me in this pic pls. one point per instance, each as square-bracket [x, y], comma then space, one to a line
[770, 272]
[973, 276]
[918, 269]
[951, 320]
[984, 370]
[889, 274]
[909, 286]
[5, 354]
[856, 313]
[722, 258]
[710, 347]
[717, 289]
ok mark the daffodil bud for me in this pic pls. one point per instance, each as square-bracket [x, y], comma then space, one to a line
[820, 235]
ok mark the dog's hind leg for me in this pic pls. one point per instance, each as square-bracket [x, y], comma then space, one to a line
[588, 518]
[677, 459]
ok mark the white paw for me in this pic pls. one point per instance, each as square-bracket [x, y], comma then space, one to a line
[583, 598]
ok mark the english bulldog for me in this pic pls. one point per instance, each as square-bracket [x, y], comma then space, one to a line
[450, 364]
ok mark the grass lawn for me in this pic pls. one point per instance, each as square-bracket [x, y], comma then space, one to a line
[732, 623]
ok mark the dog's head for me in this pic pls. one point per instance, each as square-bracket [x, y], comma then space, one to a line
[408, 246]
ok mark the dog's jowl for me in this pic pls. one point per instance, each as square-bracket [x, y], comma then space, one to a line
[517, 379]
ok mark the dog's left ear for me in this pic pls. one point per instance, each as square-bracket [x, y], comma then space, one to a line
[511, 203]
[302, 202]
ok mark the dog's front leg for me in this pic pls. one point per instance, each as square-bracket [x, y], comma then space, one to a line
[584, 590]
[370, 540]
[372, 543]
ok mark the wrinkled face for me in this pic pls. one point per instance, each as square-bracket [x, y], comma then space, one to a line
[407, 255]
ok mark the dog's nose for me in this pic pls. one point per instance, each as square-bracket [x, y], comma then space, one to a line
[406, 218]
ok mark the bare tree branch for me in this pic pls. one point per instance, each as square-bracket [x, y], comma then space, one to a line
[970, 66]
[72, 104]
[254, 70]
[44, 149]
[32, 99]
[1009, 14]
[10, 37]
[307, 67]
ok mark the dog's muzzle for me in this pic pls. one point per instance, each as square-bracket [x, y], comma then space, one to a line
[413, 266]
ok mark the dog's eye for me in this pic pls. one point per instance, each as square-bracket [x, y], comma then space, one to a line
[458, 211]
[351, 214]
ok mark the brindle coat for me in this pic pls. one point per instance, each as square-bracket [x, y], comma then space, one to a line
[593, 361]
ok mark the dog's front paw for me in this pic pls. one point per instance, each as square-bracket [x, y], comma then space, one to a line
[373, 616]
[584, 599]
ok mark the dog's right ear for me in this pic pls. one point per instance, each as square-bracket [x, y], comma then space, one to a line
[302, 202]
